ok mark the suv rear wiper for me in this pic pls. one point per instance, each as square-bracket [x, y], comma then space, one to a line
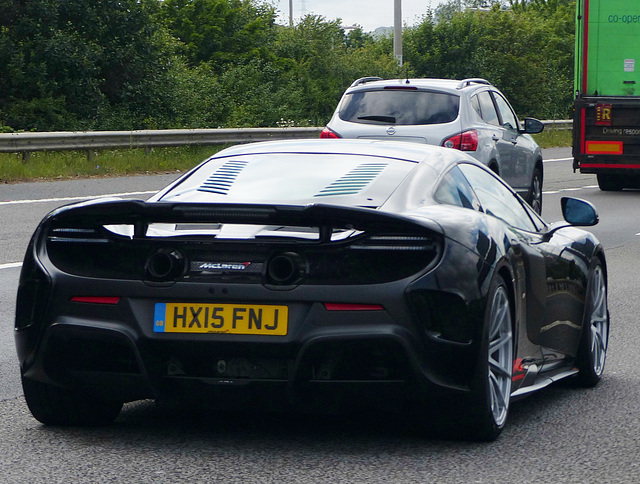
[382, 119]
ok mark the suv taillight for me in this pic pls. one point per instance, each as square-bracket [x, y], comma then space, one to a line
[467, 141]
[327, 133]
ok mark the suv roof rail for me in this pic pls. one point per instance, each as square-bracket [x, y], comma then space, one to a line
[364, 80]
[474, 80]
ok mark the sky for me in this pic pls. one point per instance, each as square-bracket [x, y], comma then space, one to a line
[369, 14]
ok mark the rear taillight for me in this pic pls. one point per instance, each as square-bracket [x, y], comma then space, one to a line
[109, 300]
[467, 141]
[328, 134]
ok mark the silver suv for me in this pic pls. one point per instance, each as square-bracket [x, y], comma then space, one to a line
[470, 115]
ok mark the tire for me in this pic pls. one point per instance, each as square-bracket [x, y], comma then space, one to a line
[491, 390]
[482, 413]
[58, 406]
[534, 198]
[610, 183]
[592, 352]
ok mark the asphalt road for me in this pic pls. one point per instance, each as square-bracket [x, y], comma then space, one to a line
[560, 435]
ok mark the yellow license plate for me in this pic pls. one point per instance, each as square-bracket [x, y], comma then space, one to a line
[221, 318]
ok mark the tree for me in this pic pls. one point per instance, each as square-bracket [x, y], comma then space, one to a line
[132, 64]
[526, 53]
[70, 61]
[220, 32]
[321, 62]
[445, 11]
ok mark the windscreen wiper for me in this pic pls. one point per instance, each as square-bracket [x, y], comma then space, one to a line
[382, 119]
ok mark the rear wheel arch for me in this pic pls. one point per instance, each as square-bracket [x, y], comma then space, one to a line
[603, 263]
[506, 272]
[481, 414]
[59, 406]
[599, 257]
[491, 388]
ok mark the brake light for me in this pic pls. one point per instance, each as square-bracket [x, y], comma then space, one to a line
[400, 88]
[328, 134]
[467, 141]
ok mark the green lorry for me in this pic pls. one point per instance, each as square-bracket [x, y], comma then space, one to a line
[606, 124]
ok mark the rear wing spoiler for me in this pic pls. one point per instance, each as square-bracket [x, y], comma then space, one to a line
[141, 214]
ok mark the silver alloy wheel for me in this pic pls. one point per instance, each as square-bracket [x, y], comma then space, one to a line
[598, 321]
[500, 355]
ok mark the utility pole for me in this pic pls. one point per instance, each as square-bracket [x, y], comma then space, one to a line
[397, 31]
[290, 13]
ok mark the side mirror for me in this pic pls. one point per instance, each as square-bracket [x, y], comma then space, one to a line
[578, 212]
[532, 126]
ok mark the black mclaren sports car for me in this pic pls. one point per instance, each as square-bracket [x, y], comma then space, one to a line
[313, 274]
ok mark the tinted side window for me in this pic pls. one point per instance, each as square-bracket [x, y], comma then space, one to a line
[454, 189]
[506, 114]
[488, 110]
[496, 199]
[400, 107]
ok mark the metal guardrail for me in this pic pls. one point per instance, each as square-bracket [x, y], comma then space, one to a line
[90, 141]
[559, 124]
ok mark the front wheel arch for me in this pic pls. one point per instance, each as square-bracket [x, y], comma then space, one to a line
[486, 406]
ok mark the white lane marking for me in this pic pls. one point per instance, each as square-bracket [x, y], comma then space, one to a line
[10, 265]
[13, 265]
[551, 192]
[557, 159]
[71, 199]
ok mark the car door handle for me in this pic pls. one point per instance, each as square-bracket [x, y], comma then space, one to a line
[495, 137]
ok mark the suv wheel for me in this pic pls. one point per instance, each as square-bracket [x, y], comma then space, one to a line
[535, 192]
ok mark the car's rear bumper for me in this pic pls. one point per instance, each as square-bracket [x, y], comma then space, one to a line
[112, 351]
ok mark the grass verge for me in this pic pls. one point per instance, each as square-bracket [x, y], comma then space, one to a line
[554, 138]
[49, 165]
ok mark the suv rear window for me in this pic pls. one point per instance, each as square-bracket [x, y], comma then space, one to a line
[400, 107]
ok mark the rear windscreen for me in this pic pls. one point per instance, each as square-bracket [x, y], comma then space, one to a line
[400, 107]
